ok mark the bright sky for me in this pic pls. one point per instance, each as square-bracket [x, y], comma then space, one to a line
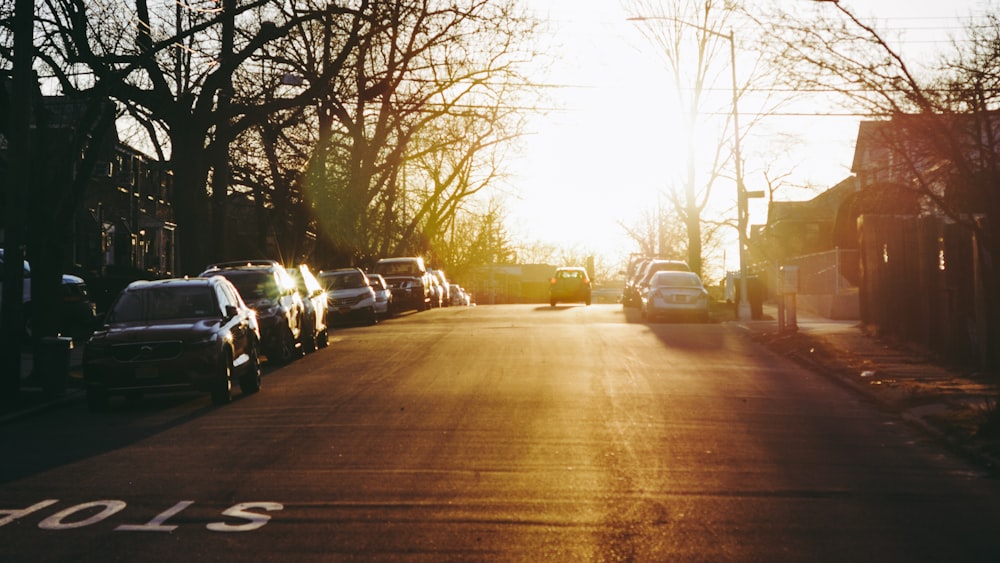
[602, 158]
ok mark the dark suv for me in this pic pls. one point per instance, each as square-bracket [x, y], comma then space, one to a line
[268, 288]
[169, 335]
[409, 281]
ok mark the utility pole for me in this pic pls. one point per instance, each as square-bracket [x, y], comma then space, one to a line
[12, 315]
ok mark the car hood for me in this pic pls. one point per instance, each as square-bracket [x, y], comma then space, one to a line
[178, 329]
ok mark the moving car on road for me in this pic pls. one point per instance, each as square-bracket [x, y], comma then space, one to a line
[569, 284]
[176, 334]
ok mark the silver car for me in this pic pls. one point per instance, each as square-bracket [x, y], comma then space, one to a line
[678, 294]
[350, 298]
[383, 295]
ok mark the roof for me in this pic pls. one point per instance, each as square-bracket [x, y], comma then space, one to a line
[823, 207]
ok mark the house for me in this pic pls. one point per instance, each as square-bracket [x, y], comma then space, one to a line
[819, 236]
[927, 200]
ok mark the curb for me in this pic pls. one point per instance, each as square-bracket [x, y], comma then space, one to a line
[972, 452]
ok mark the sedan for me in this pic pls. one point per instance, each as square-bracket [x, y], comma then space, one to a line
[170, 335]
[678, 294]
[383, 295]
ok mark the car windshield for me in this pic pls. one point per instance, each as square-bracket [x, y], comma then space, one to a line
[253, 285]
[397, 269]
[343, 280]
[164, 303]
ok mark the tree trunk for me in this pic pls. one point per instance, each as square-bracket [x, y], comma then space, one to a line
[191, 202]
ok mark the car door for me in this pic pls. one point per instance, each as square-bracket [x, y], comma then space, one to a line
[238, 326]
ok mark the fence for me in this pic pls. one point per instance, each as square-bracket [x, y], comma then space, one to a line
[833, 272]
[922, 280]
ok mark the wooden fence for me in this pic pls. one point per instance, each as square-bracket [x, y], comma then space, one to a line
[922, 281]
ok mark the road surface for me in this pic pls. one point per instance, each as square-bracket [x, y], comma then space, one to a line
[498, 433]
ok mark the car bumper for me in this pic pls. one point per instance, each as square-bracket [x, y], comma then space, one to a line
[188, 371]
[659, 307]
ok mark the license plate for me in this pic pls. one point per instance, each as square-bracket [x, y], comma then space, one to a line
[344, 310]
[146, 373]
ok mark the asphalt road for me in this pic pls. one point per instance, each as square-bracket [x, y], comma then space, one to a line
[499, 433]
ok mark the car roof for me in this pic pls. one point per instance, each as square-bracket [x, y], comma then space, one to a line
[402, 259]
[243, 263]
[341, 271]
[172, 282]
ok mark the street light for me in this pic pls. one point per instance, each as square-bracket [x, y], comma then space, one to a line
[742, 212]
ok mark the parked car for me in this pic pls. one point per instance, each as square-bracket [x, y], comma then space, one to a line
[267, 287]
[350, 297]
[409, 281]
[459, 297]
[569, 284]
[315, 333]
[650, 269]
[176, 334]
[437, 294]
[444, 286]
[383, 295]
[679, 294]
[630, 293]
[77, 312]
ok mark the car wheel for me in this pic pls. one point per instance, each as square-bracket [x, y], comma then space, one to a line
[27, 332]
[223, 385]
[285, 350]
[588, 301]
[250, 381]
[323, 339]
[97, 399]
[371, 318]
[309, 342]
[552, 302]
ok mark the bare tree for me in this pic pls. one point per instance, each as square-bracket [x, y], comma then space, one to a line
[173, 70]
[411, 123]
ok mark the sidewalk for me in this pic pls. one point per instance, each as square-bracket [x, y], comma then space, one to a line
[34, 397]
[949, 403]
